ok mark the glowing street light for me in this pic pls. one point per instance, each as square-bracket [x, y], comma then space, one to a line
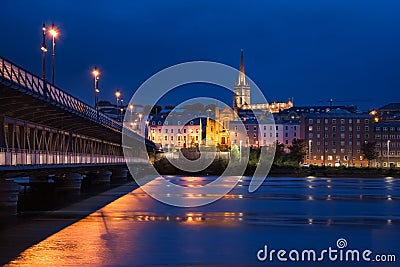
[44, 51]
[117, 95]
[54, 33]
[96, 75]
[131, 109]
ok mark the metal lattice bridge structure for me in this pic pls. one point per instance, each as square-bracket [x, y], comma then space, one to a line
[42, 126]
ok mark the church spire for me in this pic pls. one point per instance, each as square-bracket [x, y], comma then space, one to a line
[242, 76]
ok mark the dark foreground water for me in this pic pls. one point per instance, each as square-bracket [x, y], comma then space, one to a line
[347, 217]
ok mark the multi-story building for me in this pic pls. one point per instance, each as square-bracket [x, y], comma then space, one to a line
[175, 133]
[387, 138]
[335, 138]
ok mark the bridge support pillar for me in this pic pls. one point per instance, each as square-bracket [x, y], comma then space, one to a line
[70, 182]
[119, 174]
[8, 197]
[100, 177]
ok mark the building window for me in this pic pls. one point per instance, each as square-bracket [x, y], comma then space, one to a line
[366, 121]
[310, 135]
[358, 120]
[265, 134]
[265, 128]
[342, 143]
[165, 138]
[350, 143]
[385, 129]
[286, 134]
[330, 157]
[366, 136]
[197, 138]
[295, 127]
[378, 136]
[333, 135]
[277, 128]
[385, 136]
[159, 130]
[358, 143]
[255, 128]
[358, 128]
[310, 128]
[310, 121]
[318, 136]
[166, 130]
[172, 138]
[378, 129]
[172, 130]
[184, 130]
[286, 142]
[179, 138]
[350, 121]
[318, 128]
[358, 136]
[326, 135]
[333, 121]
[286, 127]
[366, 128]
[342, 128]
[318, 121]
[342, 136]
[295, 134]
[326, 121]
[254, 135]
[392, 129]
[334, 128]
[342, 150]
[277, 135]
[197, 130]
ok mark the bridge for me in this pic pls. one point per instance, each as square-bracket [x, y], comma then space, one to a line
[45, 130]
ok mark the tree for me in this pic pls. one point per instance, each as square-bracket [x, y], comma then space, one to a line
[298, 150]
[279, 153]
[235, 153]
[368, 149]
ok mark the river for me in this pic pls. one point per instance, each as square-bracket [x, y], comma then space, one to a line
[287, 214]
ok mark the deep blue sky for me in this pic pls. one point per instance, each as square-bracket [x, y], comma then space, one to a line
[312, 50]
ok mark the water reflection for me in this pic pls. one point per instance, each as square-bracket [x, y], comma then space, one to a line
[137, 230]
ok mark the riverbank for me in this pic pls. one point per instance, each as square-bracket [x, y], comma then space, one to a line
[218, 166]
[33, 227]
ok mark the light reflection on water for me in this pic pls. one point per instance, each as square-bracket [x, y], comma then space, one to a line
[137, 230]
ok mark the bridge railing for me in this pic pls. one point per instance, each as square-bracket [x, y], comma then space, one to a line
[23, 80]
[22, 158]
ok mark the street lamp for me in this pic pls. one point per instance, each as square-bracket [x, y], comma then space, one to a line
[53, 32]
[388, 148]
[117, 95]
[96, 75]
[44, 50]
[131, 109]
[309, 150]
[140, 122]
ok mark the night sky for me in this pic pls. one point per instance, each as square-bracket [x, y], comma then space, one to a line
[312, 50]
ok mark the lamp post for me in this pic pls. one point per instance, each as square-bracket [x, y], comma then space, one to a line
[131, 110]
[309, 150]
[140, 123]
[53, 31]
[44, 50]
[388, 151]
[96, 75]
[117, 96]
[147, 129]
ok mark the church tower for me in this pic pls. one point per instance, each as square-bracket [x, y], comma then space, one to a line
[241, 90]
